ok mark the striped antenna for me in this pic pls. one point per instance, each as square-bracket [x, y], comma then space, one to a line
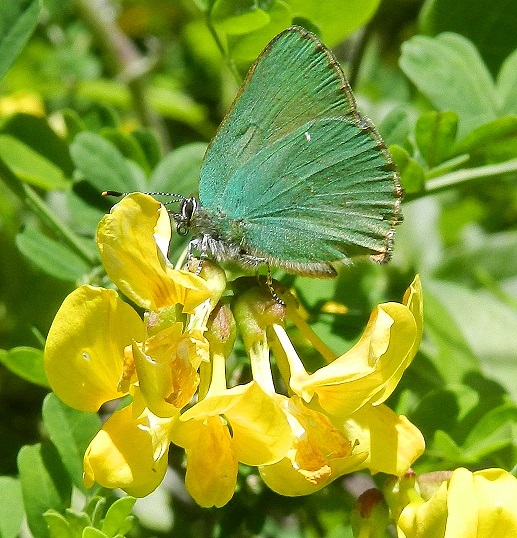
[175, 197]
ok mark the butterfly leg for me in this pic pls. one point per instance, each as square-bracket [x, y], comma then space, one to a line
[269, 284]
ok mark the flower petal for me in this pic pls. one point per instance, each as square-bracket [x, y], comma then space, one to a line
[260, 431]
[360, 375]
[413, 299]
[85, 347]
[392, 442]
[422, 520]
[320, 453]
[129, 453]
[131, 241]
[482, 503]
[211, 464]
[167, 368]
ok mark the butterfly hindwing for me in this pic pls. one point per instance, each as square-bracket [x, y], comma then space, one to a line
[321, 193]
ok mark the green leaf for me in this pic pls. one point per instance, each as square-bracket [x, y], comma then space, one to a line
[507, 85]
[178, 172]
[92, 532]
[51, 256]
[78, 521]
[489, 25]
[435, 133]
[11, 507]
[30, 166]
[246, 47]
[73, 122]
[411, 173]
[238, 16]
[497, 429]
[446, 447]
[149, 144]
[71, 431]
[492, 142]
[36, 133]
[118, 518]
[336, 19]
[332, 20]
[488, 254]
[27, 363]
[95, 509]
[45, 484]
[487, 325]
[58, 525]
[102, 164]
[18, 18]
[128, 146]
[169, 103]
[448, 70]
[450, 351]
[394, 128]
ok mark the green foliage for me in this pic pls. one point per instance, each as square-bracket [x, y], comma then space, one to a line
[17, 21]
[72, 125]
[11, 507]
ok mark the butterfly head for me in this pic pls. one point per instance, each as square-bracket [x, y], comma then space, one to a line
[184, 217]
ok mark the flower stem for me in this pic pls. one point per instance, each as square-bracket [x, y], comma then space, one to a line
[313, 338]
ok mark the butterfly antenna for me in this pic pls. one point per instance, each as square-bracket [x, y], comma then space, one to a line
[175, 197]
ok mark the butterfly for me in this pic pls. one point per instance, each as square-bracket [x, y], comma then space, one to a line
[295, 177]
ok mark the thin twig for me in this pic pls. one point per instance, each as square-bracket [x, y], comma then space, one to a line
[127, 63]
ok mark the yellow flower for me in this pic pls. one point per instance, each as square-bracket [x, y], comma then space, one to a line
[319, 453]
[129, 452]
[466, 505]
[370, 370]
[241, 424]
[133, 240]
[86, 347]
[22, 101]
[167, 368]
[339, 424]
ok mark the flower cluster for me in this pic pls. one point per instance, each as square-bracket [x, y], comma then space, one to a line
[302, 430]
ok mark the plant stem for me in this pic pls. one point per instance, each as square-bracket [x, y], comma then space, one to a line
[462, 177]
[127, 62]
[229, 61]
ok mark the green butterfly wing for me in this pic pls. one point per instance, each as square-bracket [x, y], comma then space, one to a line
[294, 173]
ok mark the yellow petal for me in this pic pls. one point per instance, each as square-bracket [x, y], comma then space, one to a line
[129, 453]
[260, 431]
[496, 492]
[212, 465]
[361, 374]
[84, 353]
[425, 520]
[167, 368]
[413, 299]
[131, 241]
[482, 504]
[391, 441]
[320, 453]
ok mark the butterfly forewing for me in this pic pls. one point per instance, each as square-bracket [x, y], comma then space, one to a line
[295, 79]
